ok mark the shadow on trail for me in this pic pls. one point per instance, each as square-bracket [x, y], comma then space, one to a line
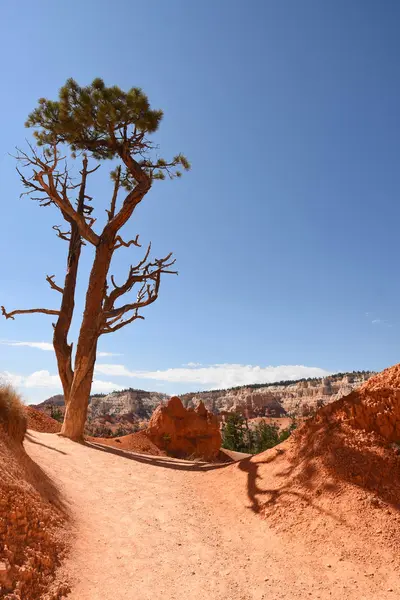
[158, 461]
[40, 480]
[262, 498]
[249, 466]
[327, 454]
[33, 440]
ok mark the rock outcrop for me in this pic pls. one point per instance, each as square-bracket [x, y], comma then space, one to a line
[185, 432]
[374, 407]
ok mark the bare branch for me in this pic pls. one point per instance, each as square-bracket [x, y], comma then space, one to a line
[148, 274]
[27, 311]
[55, 185]
[63, 235]
[90, 171]
[111, 212]
[135, 275]
[145, 299]
[135, 196]
[120, 242]
[90, 221]
[53, 285]
[108, 329]
[148, 293]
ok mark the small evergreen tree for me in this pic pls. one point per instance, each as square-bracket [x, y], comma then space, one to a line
[234, 433]
[265, 436]
[237, 435]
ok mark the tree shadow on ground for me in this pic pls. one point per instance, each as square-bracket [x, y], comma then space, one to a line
[261, 497]
[363, 460]
[40, 480]
[33, 440]
[158, 461]
[324, 456]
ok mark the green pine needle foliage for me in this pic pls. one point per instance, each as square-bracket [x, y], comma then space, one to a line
[238, 436]
[105, 122]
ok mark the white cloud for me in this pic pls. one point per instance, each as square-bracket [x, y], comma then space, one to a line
[381, 322]
[192, 364]
[47, 346]
[219, 375]
[43, 379]
[15, 380]
[377, 321]
[113, 370]
[36, 379]
[40, 345]
[99, 385]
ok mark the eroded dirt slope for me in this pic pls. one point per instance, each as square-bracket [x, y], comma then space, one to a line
[32, 517]
[39, 421]
[152, 528]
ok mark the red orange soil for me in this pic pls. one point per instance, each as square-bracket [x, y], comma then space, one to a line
[32, 538]
[152, 528]
[334, 488]
[317, 517]
[375, 406]
[39, 421]
[138, 442]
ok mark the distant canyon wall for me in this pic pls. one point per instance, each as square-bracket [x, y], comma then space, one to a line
[275, 400]
[125, 411]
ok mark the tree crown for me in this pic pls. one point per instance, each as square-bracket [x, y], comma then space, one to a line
[106, 122]
[88, 118]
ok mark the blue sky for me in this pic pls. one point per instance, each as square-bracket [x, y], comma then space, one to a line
[286, 229]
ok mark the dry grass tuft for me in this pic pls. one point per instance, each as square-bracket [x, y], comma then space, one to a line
[12, 413]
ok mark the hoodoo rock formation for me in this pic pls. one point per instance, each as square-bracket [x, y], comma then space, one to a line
[185, 432]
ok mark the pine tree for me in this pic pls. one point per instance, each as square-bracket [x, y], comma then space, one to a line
[234, 433]
[265, 436]
[96, 123]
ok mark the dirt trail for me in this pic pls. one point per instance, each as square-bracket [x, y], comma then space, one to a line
[150, 528]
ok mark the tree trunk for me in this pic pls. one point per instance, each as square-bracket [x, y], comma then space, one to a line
[77, 406]
[62, 349]
[76, 410]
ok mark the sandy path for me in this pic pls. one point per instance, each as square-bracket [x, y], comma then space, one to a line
[147, 528]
